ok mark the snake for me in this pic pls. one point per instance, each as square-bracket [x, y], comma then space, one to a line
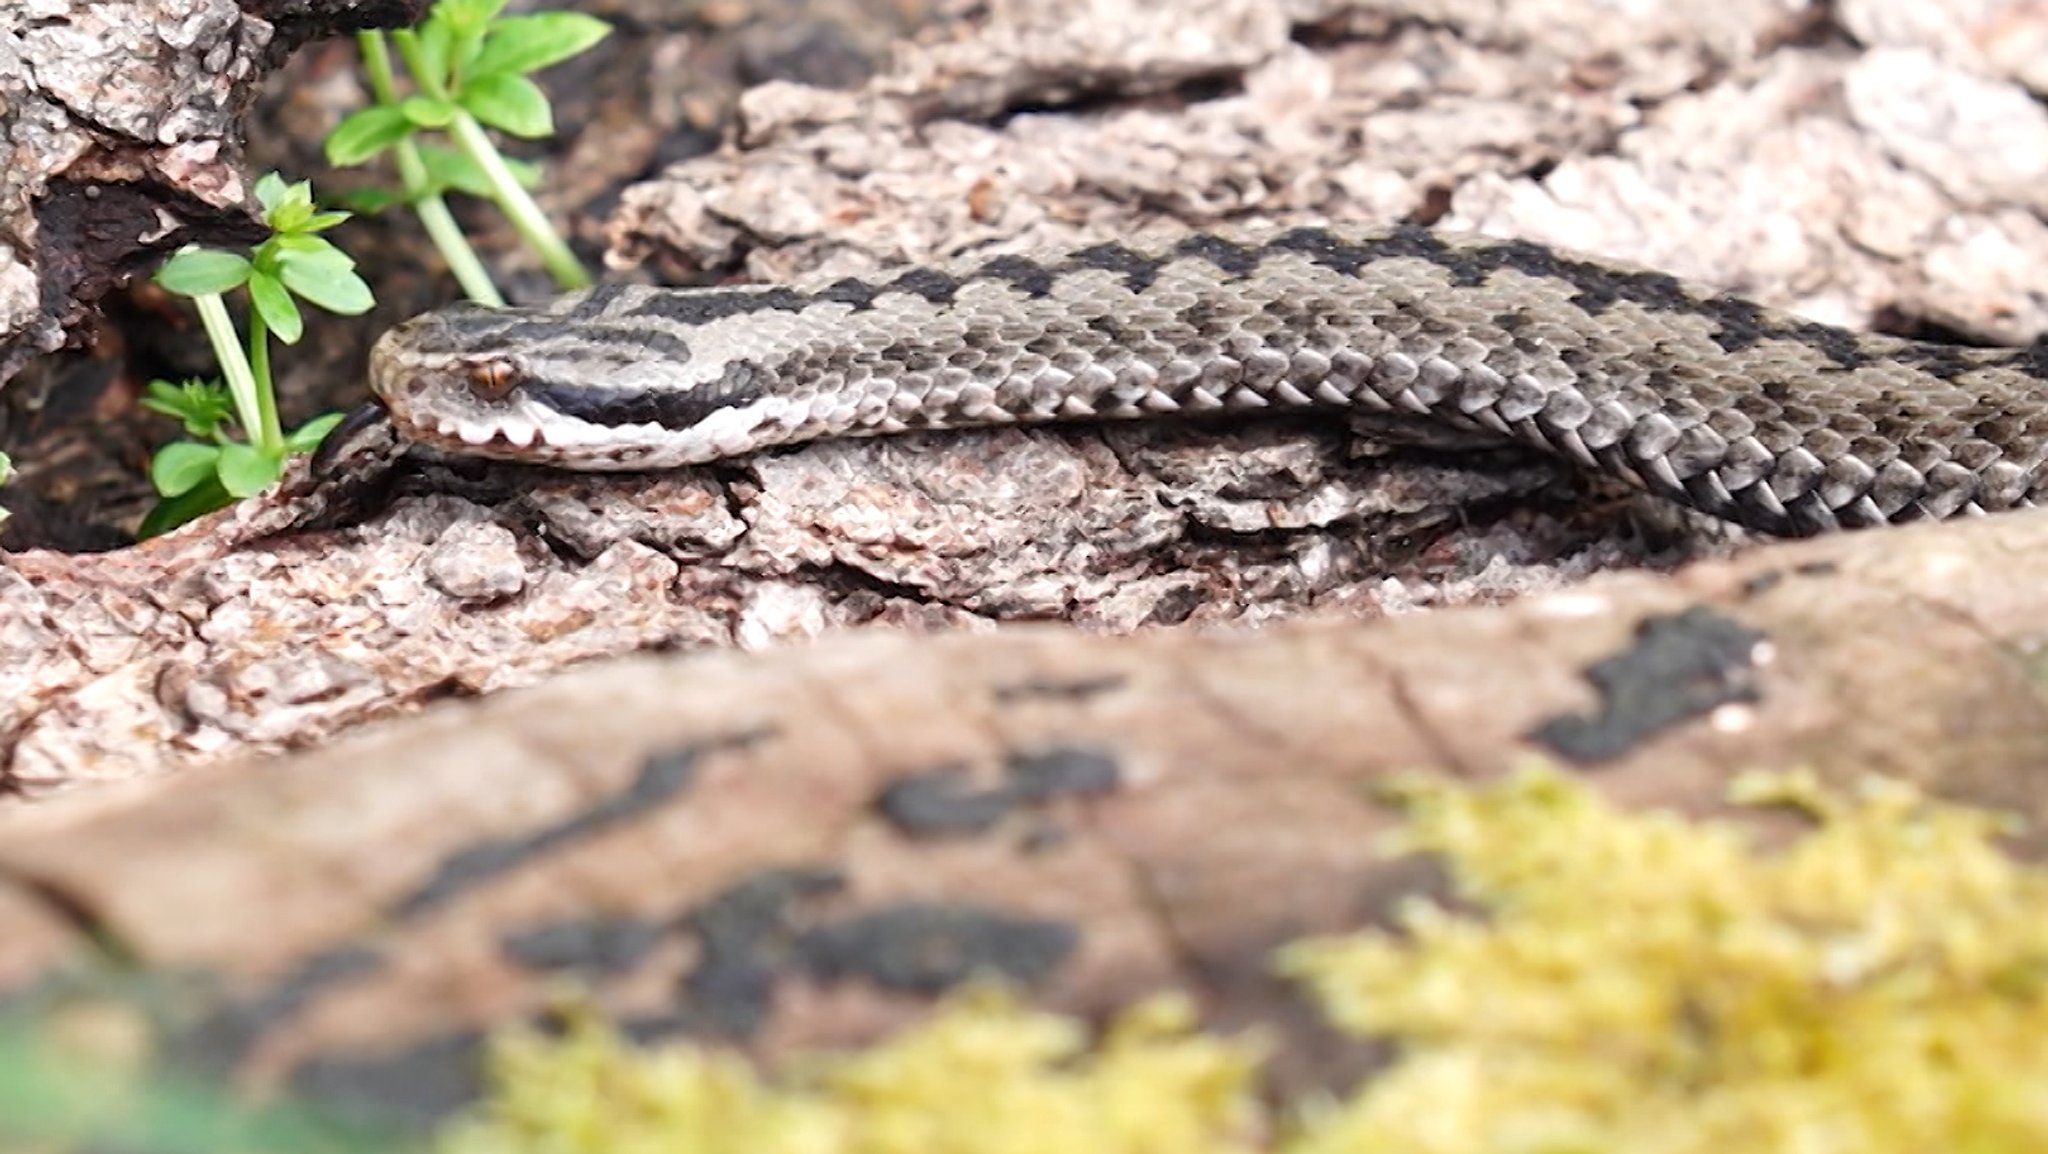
[1775, 422]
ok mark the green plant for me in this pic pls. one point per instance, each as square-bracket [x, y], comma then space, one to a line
[984, 1075]
[470, 67]
[294, 263]
[1643, 983]
[61, 1093]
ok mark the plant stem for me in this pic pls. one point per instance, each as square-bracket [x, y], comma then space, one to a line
[234, 363]
[377, 64]
[409, 51]
[266, 434]
[429, 206]
[525, 215]
[462, 261]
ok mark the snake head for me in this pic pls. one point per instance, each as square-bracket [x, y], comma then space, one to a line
[451, 380]
[542, 385]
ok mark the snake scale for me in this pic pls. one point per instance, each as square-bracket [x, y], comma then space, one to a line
[1778, 423]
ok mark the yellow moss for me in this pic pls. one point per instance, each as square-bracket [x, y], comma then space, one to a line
[1632, 983]
[982, 1076]
[1645, 985]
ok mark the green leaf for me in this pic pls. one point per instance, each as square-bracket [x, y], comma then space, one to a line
[322, 221]
[468, 16]
[336, 289]
[299, 246]
[182, 398]
[427, 112]
[267, 294]
[290, 209]
[435, 41]
[270, 188]
[193, 271]
[288, 217]
[201, 406]
[245, 470]
[299, 258]
[462, 48]
[182, 466]
[307, 437]
[365, 133]
[525, 173]
[509, 102]
[449, 168]
[523, 44]
[172, 512]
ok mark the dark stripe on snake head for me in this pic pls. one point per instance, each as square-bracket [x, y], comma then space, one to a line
[595, 302]
[669, 408]
[612, 343]
[707, 305]
[468, 322]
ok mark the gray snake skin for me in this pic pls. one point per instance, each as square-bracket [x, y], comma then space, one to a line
[1759, 417]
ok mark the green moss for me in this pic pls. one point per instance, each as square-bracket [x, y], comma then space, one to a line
[1632, 983]
[1645, 985]
[983, 1076]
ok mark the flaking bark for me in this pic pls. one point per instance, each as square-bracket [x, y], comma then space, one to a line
[760, 848]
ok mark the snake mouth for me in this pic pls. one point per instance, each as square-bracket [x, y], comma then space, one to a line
[429, 409]
[509, 437]
[522, 435]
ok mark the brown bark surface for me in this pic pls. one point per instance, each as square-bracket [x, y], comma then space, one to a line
[799, 848]
[792, 843]
[1697, 141]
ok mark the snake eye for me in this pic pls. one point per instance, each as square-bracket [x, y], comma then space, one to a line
[491, 379]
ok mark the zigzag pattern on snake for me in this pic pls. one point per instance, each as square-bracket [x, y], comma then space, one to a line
[1756, 416]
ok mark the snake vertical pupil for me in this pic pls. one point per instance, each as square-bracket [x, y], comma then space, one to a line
[490, 379]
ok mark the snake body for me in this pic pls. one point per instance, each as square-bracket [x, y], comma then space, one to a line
[1760, 417]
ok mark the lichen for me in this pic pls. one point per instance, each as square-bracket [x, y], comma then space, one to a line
[1609, 982]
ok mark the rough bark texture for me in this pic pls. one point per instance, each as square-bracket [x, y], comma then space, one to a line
[196, 645]
[1793, 171]
[797, 849]
[757, 845]
[1743, 144]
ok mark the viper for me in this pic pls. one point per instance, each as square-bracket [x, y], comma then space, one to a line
[1733, 409]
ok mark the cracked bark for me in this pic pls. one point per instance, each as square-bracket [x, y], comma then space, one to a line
[362, 910]
[1218, 799]
[170, 655]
